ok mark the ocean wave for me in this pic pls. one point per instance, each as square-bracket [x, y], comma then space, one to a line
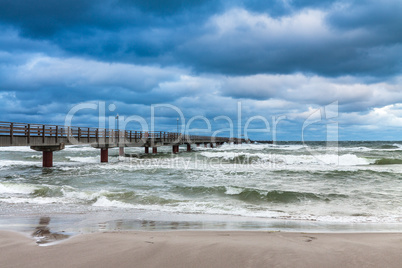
[243, 157]
[388, 161]
[103, 201]
[398, 145]
[388, 146]
[257, 147]
[79, 148]
[11, 163]
[47, 191]
[37, 201]
[16, 149]
[254, 195]
[36, 156]
[87, 159]
[278, 196]
[304, 159]
[199, 190]
[13, 188]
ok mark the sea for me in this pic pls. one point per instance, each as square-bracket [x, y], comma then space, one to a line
[286, 186]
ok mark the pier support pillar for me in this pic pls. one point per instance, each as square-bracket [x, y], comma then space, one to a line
[121, 151]
[206, 145]
[188, 147]
[212, 145]
[175, 149]
[147, 150]
[154, 150]
[104, 155]
[198, 145]
[47, 152]
[47, 159]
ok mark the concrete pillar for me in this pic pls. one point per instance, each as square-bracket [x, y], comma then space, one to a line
[175, 149]
[198, 145]
[206, 145]
[188, 147]
[104, 155]
[146, 150]
[47, 152]
[212, 145]
[47, 159]
[154, 150]
[121, 151]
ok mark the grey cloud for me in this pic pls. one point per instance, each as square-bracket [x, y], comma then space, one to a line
[361, 39]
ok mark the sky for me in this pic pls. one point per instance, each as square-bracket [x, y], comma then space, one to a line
[266, 69]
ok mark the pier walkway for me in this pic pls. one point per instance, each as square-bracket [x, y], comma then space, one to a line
[50, 138]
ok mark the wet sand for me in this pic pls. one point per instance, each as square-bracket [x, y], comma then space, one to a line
[205, 249]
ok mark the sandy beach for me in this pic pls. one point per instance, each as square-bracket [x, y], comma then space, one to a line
[205, 249]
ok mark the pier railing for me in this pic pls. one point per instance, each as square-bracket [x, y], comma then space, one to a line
[93, 135]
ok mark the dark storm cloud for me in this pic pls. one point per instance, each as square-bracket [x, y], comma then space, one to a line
[163, 7]
[369, 14]
[48, 18]
[277, 8]
[278, 57]
[45, 17]
[253, 45]
[362, 36]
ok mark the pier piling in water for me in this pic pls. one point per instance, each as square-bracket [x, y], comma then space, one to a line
[175, 149]
[47, 153]
[104, 155]
[121, 151]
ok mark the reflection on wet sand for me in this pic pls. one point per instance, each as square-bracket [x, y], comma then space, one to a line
[43, 233]
[152, 225]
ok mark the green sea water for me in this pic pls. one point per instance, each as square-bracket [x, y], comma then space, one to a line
[285, 186]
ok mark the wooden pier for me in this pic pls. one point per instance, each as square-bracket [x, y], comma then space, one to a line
[50, 138]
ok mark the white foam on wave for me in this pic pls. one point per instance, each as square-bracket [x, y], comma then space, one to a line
[37, 200]
[397, 145]
[200, 207]
[230, 147]
[287, 147]
[354, 149]
[314, 158]
[327, 159]
[87, 159]
[12, 188]
[79, 148]
[233, 209]
[233, 155]
[72, 194]
[366, 149]
[9, 163]
[257, 147]
[16, 149]
[104, 202]
[233, 190]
